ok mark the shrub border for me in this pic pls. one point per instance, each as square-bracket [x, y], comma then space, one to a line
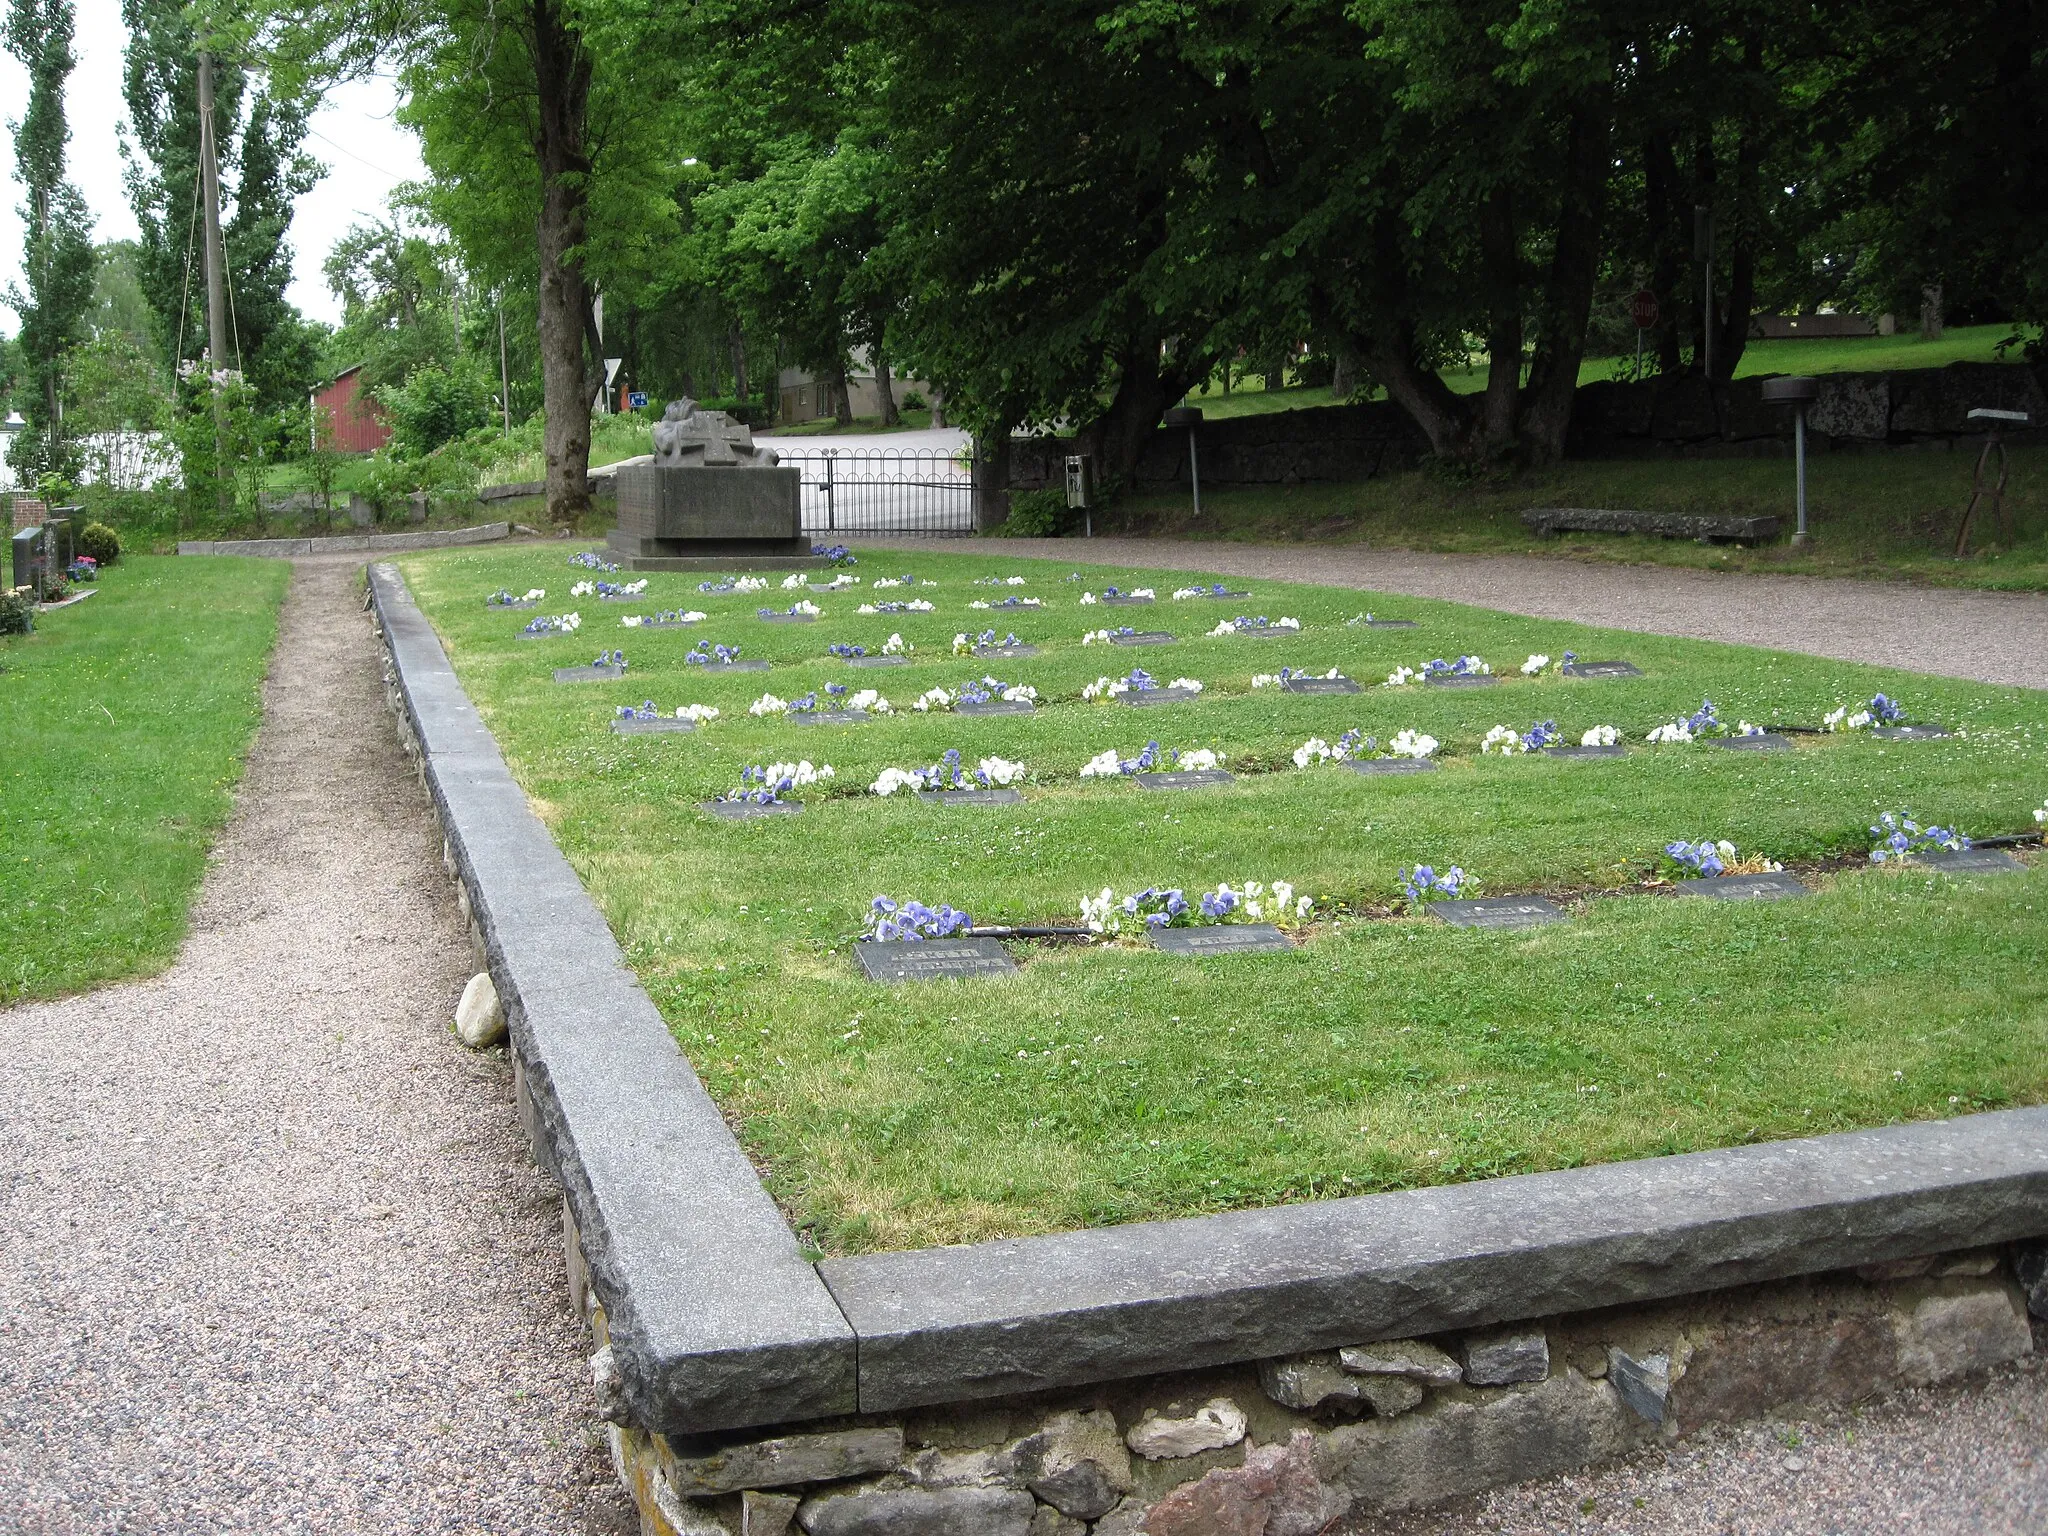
[717, 1321]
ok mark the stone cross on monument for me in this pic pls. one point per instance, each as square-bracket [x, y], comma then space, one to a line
[686, 435]
[690, 508]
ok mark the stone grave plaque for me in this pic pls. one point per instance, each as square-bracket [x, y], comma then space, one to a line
[829, 716]
[1143, 637]
[508, 607]
[1006, 650]
[1603, 669]
[1270, 632]
[996, 707]
[1380, 765]
[933, 959]
[970, 797]
[1457, 680]
[1744, 887]
[1184, 778]
[662, 726]
[1971, 861]
[874, 661]
[663, 624]
[1118, 602]
[787, 618]
[747, 810]
[1220, 939]
[541, 634]
[1908, 733]
[1014, 603]
[1769, 741]
[1498, 912]
[620, 597]
[1390, 624]
[1319, 685]
[1614, 751]
[1145, 698]
[588, 674]
[717, 588]
[1225, 594]
[749, 664]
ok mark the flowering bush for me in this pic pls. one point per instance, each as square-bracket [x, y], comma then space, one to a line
[950, 773]
[802, 605]
[17, 610]
[503, 599]
[1216, 589]
[704, 654]
[1416, 744]
[666, 616]
[1316, 750]
[838, 554]
[1879, 711]
[1011, 602]
[1107, 765]
[767, 786]
[964, 644]
[1422, 884]
[82, 568]
[913, 921]
[1168, 907]
[1240, 624]
[1287, 675]
[1104, 636]
[914, 605]
[1897, 835]
[1599, 736]
[554, 624]
[590, 560]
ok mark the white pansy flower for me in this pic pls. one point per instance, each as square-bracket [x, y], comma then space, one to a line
[791, 583]
[768, 704]
[870, 701]
[1407, 743]
[1102, 765]
[1186, 684]
[1599, 736]
[1676, 730]
[1534, 665]
[583, 589]
[1504, 739]
[1400, 677]
[896, 645]
[699, 714]
[931, 699]
[1199, 758]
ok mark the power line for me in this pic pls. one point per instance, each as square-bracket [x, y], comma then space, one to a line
[359, 160]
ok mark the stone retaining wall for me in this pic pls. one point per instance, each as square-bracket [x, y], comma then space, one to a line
[346, 543]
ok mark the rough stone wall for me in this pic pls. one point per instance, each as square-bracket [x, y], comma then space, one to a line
[1284, 1447]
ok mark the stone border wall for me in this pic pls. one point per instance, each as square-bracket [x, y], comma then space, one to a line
[346, 543]
[1377, 1351]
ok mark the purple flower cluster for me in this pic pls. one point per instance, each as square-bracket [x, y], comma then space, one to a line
[1701, 859]
[611, 659]
[646, 711]
[913, 921]
[1897, 835]
[704, 653]
[1423, 884]
[846, 650]
[1543, 733]
[837, 554]
[590, 560]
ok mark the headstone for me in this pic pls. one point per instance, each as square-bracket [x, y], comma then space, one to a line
[1390, 624]
[769, 616]
[665, 624]
[1769, 741]
[995, 707]
[1272, 631]
[1220, 939]
[747, 810]
[970, 797]
[1226, 594]
[1143, 637]
[1582, 751]
[1015, 651]
[934, 959]
[30, 564]
[1319, 685]
[1146, 697]
[1498, 912]
[1184, 778]
[1461, 679]
[1118, 602]
[877, 661]
[829, 716]
[1908, 733]
[588, 674]
[748, 664]
[1744, 887]
[1971, 861]
[663, 725]
[1018, 602]
[708, 490]
[1602, 669]
[515, 603]
[1380, 765]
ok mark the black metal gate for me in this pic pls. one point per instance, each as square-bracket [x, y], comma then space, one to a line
[888, 490]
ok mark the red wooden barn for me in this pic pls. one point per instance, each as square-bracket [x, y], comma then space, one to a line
[356, 423]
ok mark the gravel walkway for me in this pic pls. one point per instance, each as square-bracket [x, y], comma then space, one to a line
[1993, 637]
[272, 1255]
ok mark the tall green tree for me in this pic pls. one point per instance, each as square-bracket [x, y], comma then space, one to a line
[57, 253]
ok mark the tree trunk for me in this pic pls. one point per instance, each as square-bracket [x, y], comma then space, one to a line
[1667, 232]
[842, 395]
[891, 417]
[1500, 258]
[1567, 303]
[1119, 436]
[570, 378]
[1731, 335]
[991, 480]
[1444, 417]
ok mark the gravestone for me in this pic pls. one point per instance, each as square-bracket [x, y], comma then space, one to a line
[1318, 685]
[1769, 741]
[1144, 698]
[540, 634]
[1602, 669]
[748, 664]
[1017, 602]
[1270, 632]
[829, 716]
[1116, 602]
[1461, 680]
[876, 661]
[1908, 733]
[1390, 624]
[662, 725]
[1971, 861]
[665, 624]
[1143, 637]
[771, 616]
[1744, 887]
[1498, 912]
[1225, 594]
[1221, 939]
[995, 707]
[1584, 751]
[708, 491]
[515, 603]
[590, 674]
[1376, 766]
[970, 797]
[1184, 778]
[747, 810]
[1012, 651]
[31, 563]
[933, 959]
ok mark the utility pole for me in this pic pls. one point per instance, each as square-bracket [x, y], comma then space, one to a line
[216, 281]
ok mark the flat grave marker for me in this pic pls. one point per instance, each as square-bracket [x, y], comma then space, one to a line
[588, 674]
[1271, 632]
[662, 725]
[1011, 651]
[1376, 766]
[665, 624]
[1498, 912]
[1584, 751]
[970, 797]
[1014, 603]
[748, 810]
[1206, 593]
[933, 959]
[1744, 887]
[1909, 733]
[515, 603]
[1119, 602]
[1184, 778]
[829, 716]
[1319, 685]
[1221, 939]
[1144, 698]
[1971, 861]
[1390, 624]
[749, 664]
[787, 618]
[1769, 741]
[995, 707]
[1460, 680]
[874, 661]
[1143, 637]
[1602, 669]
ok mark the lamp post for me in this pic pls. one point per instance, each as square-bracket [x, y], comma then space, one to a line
[1797, 391]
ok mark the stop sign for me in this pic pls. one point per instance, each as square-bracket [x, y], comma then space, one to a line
[1642, 308]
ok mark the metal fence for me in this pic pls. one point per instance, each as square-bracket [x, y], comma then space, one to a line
[888, 490]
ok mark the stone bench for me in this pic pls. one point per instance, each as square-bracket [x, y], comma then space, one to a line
[1708, 529]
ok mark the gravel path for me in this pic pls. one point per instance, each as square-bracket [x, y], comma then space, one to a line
[1993, 637]
[272, 1255]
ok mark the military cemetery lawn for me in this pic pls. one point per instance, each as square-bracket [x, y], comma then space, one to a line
[124, 722]
[1109, 1081]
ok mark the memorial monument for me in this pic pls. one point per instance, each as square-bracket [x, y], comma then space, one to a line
[710, 499]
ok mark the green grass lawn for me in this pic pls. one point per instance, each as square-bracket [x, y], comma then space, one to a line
[124, 722]
[1889, 515]
[1112, 1083]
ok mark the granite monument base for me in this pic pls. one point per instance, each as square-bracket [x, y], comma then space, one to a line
[672, 517]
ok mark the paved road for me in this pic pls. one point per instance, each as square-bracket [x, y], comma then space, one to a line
[272, 1256]
[1994, 637]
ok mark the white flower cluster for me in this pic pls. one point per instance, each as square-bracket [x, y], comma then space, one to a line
[1534, 665]
[883, 583]
[635, 620]
[633, 588]
[1199, 758]
[931, 699]
[869, 700]
[749, 583]
[2042, 814]
[1317, 750]
[805, 605]
[1504, 739]
[1600, 736]
[843, 579]
[1022, 602]
[766, 705]
[799, 774]
[1103, 765]
[698, 714]
[1412, 744]
[534, 594]
[1186, 684]
[1273, 679]
[1674, 730]
[1232, 627]
[1842, 720]
[568, 622]
[893, 779]
[791, 583]
[1001, 771]
[1105, 688]
[896, 645]
[1095, 635]
[583, 589]
[1400, 677]
[915, 605]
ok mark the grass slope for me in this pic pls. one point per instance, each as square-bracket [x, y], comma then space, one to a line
[124, 722]
[1113, 1083]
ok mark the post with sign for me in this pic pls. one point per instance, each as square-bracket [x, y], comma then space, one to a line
[1643, 310]
[1798, 392]
[1078, 499]
[1189, 416]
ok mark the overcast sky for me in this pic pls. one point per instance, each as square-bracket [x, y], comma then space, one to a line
[366, 154]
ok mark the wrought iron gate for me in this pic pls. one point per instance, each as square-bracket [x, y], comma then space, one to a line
[865, 490]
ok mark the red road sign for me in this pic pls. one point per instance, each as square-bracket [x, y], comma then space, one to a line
[1642, 309]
